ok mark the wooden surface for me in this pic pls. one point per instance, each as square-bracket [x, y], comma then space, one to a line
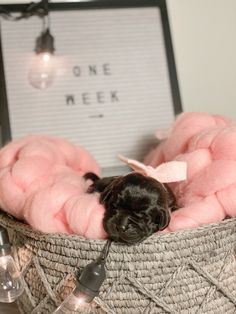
[8, 309]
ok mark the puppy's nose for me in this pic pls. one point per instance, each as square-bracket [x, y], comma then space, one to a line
[124, 223]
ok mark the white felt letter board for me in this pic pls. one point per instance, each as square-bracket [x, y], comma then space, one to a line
[112, 88]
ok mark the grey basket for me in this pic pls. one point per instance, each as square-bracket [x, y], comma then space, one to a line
[191, 271]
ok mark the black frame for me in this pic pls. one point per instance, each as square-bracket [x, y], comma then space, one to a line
[86, 5]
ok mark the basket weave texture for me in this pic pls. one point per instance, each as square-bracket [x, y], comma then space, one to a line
[191, 271]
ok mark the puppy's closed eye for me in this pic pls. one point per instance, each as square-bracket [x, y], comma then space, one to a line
[163, 218]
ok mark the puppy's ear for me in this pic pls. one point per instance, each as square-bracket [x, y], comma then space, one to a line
[163, 218]
[110, 189]
[106, 194]
[107, 189]
[91, 176]
[100, 185]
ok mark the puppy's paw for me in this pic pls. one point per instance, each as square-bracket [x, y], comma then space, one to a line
[91, 176]
[91, 189]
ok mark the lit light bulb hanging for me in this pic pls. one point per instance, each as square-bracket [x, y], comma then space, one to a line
[87, 285]
[42, 70]
[11, 283]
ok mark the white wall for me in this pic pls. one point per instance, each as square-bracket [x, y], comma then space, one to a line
[204, 37]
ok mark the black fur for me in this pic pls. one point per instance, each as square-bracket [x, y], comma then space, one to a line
[136, 205]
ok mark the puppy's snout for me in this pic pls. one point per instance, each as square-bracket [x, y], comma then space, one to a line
[124, 223]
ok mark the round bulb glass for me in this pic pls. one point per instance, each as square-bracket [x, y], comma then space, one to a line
[42, 70]
[11, 283]
[72, 304]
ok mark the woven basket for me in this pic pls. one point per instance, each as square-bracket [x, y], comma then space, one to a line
[192, 271]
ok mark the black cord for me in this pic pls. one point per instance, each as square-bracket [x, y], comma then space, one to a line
[105, 250]
[39, 9]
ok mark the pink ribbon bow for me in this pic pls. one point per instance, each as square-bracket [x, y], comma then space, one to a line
[167, 172]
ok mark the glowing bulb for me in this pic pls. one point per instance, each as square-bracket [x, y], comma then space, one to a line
[42, 71]
[11, 283]
[87, 286]
[72, 303]
[43, 67]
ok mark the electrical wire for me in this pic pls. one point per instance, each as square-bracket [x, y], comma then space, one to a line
[39, 9]
[105, 250]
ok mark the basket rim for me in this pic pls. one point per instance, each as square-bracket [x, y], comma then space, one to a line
[11, 222]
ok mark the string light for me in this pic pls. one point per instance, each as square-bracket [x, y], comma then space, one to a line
[11, 283]
[43, 70]
[87, 285]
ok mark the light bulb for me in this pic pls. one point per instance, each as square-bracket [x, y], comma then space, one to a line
[11, 283]
[72, 303]
[42, 70]
[87, 286]
[43, 66]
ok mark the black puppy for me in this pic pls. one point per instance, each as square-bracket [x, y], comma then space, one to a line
[136, 205]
